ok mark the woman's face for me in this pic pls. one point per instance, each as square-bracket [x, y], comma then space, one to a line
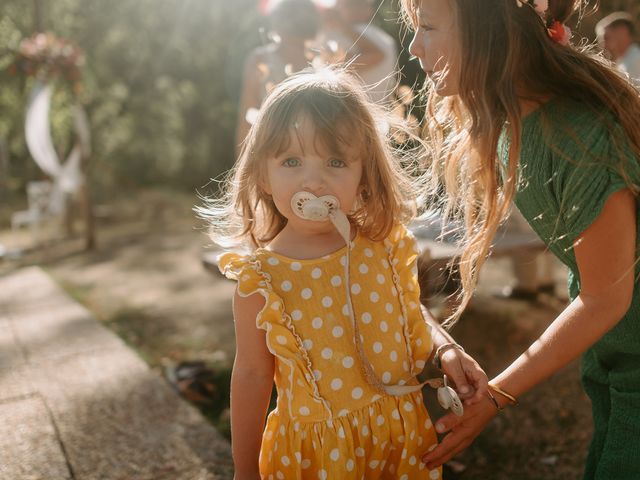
[435, 44]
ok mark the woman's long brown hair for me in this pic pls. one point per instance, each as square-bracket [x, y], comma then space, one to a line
[507, 57]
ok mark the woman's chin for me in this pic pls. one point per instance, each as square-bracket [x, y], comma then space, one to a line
[444, 90]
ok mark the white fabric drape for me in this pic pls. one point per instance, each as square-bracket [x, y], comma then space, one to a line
[67, 177]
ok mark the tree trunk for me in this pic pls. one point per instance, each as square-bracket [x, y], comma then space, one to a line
[89, 217]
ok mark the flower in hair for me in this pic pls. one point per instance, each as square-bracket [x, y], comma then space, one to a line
[559, 33]
[557, 30]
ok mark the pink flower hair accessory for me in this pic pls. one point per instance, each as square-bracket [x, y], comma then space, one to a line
[559, 33]
[557, 30]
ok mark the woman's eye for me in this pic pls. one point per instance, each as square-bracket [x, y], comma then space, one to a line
[291, 162]
[426, 28]
[337, 163]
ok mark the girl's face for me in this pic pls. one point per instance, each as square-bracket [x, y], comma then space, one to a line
[306, 166]
[435, 44]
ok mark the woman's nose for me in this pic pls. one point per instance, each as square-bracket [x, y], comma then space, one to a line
[415, 48]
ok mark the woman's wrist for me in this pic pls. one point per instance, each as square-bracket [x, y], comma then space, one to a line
[500, 397]
[511, 381]
[510, 398]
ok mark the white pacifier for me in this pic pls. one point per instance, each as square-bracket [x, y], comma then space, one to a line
[306, 205]
[448, 398]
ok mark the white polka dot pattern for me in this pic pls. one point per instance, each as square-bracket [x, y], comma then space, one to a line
[317, 368]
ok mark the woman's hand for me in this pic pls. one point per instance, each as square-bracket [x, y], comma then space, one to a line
[463, 430]
[470, 381]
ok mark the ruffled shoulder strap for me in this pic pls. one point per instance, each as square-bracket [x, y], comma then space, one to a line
[403, 251]
[282, 339]
[401, 245]
[244, 269]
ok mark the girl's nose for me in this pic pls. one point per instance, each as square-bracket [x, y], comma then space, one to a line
[313, 182]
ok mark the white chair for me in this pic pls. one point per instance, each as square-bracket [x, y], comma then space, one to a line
[42, 205]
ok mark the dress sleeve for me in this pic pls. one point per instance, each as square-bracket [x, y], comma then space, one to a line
[243, 269]
[246, 270]
[403, 253]
[587, 171]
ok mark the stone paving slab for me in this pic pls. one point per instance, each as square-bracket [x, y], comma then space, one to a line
[35, 451]
[73, 394]
[16, 382]
[28, 286]
[118, 421]
[67, 328]
[10, 353]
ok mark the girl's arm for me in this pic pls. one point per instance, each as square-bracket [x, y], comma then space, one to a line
[605, 255]
[467, 375]
[251, 385]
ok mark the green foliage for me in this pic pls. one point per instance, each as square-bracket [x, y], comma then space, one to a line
[160, 85]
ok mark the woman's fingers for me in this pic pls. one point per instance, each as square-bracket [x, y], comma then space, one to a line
[463, 430]
[448, 443]
[451, 445]
[448, 422]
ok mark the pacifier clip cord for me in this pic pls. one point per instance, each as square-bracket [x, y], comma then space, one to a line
[309, 207]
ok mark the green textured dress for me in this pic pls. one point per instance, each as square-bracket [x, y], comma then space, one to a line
[568, 168]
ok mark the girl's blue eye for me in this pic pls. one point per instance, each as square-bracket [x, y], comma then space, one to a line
[291, 162]
[337, 163]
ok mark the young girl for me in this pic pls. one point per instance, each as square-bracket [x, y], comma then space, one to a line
[340, 328]
[532, 118]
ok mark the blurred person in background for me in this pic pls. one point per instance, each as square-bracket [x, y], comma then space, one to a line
[349, 33]
[293, 26]
[616, 35]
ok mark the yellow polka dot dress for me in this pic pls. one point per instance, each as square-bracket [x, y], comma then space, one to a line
[329, 423]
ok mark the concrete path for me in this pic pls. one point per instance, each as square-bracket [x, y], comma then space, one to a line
[77, 403]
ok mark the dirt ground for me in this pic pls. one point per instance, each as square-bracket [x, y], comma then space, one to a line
[146, 282]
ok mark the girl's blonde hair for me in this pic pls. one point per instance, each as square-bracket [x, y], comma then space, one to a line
[506, 50]
[345, 122]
